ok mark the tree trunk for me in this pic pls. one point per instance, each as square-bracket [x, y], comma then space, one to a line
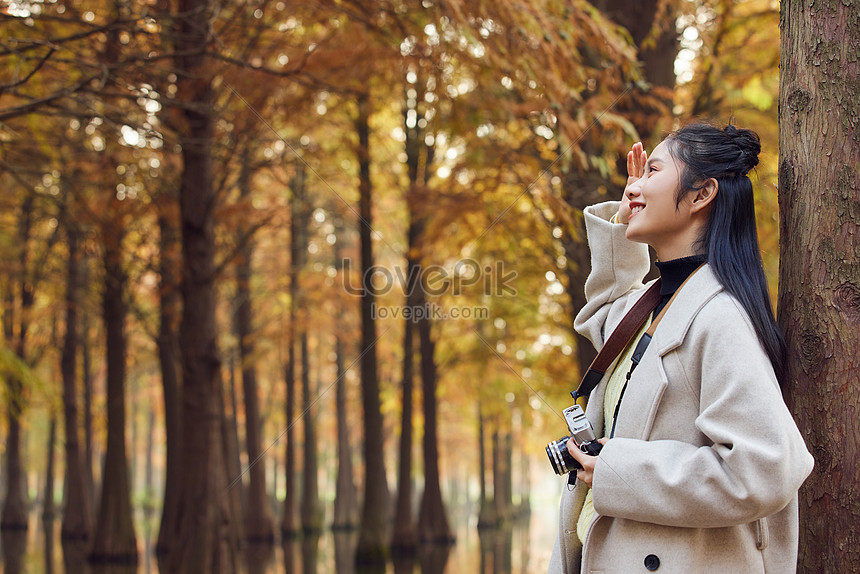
[229, 430]
[14, 516]
[311, 509]
[404, 540]
[203, 537]
[432, 521]
[114, 534]
[501, 473]
[487, 513]
[373, 537]
[819, 267]
[289, 522]
[298, 232]
[419, 156]
[346, 497]
[169, 360]
[48, 506]
[258, 520]
[148, 484]
[87, 375]
[77, 512]
[583, 189]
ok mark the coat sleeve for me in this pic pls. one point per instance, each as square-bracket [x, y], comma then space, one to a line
[754, 459]
[617, 268]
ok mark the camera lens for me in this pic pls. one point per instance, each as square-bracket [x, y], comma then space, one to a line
[561, 460]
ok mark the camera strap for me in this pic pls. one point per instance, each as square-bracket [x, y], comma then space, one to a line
[618, 340]
[624, 332]
[641, 345]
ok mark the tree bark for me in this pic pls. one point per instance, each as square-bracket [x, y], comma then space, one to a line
[203, 537]
[373, 537]
[819, 267]
[77, 512]
[115, 539]
[169, 359]
[259, 526]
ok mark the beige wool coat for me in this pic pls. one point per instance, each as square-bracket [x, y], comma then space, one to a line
[703, 472]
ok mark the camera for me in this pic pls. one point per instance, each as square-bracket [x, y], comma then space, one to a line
[583, 435]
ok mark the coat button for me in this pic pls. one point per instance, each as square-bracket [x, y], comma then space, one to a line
[652, 562]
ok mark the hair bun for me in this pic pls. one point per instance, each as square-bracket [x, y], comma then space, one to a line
[749, 144]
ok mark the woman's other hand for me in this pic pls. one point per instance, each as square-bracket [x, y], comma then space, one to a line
[636, 159]
[587, 461]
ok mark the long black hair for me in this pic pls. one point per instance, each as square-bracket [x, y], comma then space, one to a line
[729, 237]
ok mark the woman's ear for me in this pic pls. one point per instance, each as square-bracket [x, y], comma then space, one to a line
[705, 195]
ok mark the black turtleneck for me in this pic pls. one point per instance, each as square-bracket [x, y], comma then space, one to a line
[673, 273]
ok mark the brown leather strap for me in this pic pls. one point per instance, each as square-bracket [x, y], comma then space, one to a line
[619, 339]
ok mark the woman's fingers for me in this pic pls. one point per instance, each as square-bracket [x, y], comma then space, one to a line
[586, 474]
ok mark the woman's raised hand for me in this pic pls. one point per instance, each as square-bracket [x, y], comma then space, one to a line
[636, 159]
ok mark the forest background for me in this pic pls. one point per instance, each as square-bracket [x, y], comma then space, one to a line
[270, 268]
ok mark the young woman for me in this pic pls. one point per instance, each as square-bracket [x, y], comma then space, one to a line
[702, 469]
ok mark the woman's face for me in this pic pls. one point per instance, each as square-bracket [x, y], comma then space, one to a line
[655, 219]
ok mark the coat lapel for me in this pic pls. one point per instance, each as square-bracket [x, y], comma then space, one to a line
[649, 381]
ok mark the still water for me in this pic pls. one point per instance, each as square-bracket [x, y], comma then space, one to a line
[522, 547]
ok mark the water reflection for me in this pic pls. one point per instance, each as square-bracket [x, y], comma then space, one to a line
[434, 558]
[14, 547]
[259, 558]
[405, 563]
[310, 553]
[345, 543]
[521, 547]
[75, 556]
[48, 533]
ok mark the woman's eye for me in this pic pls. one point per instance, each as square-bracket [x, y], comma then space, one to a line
[652, 169]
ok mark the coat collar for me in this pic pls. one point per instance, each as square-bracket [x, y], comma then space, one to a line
[701, 288]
